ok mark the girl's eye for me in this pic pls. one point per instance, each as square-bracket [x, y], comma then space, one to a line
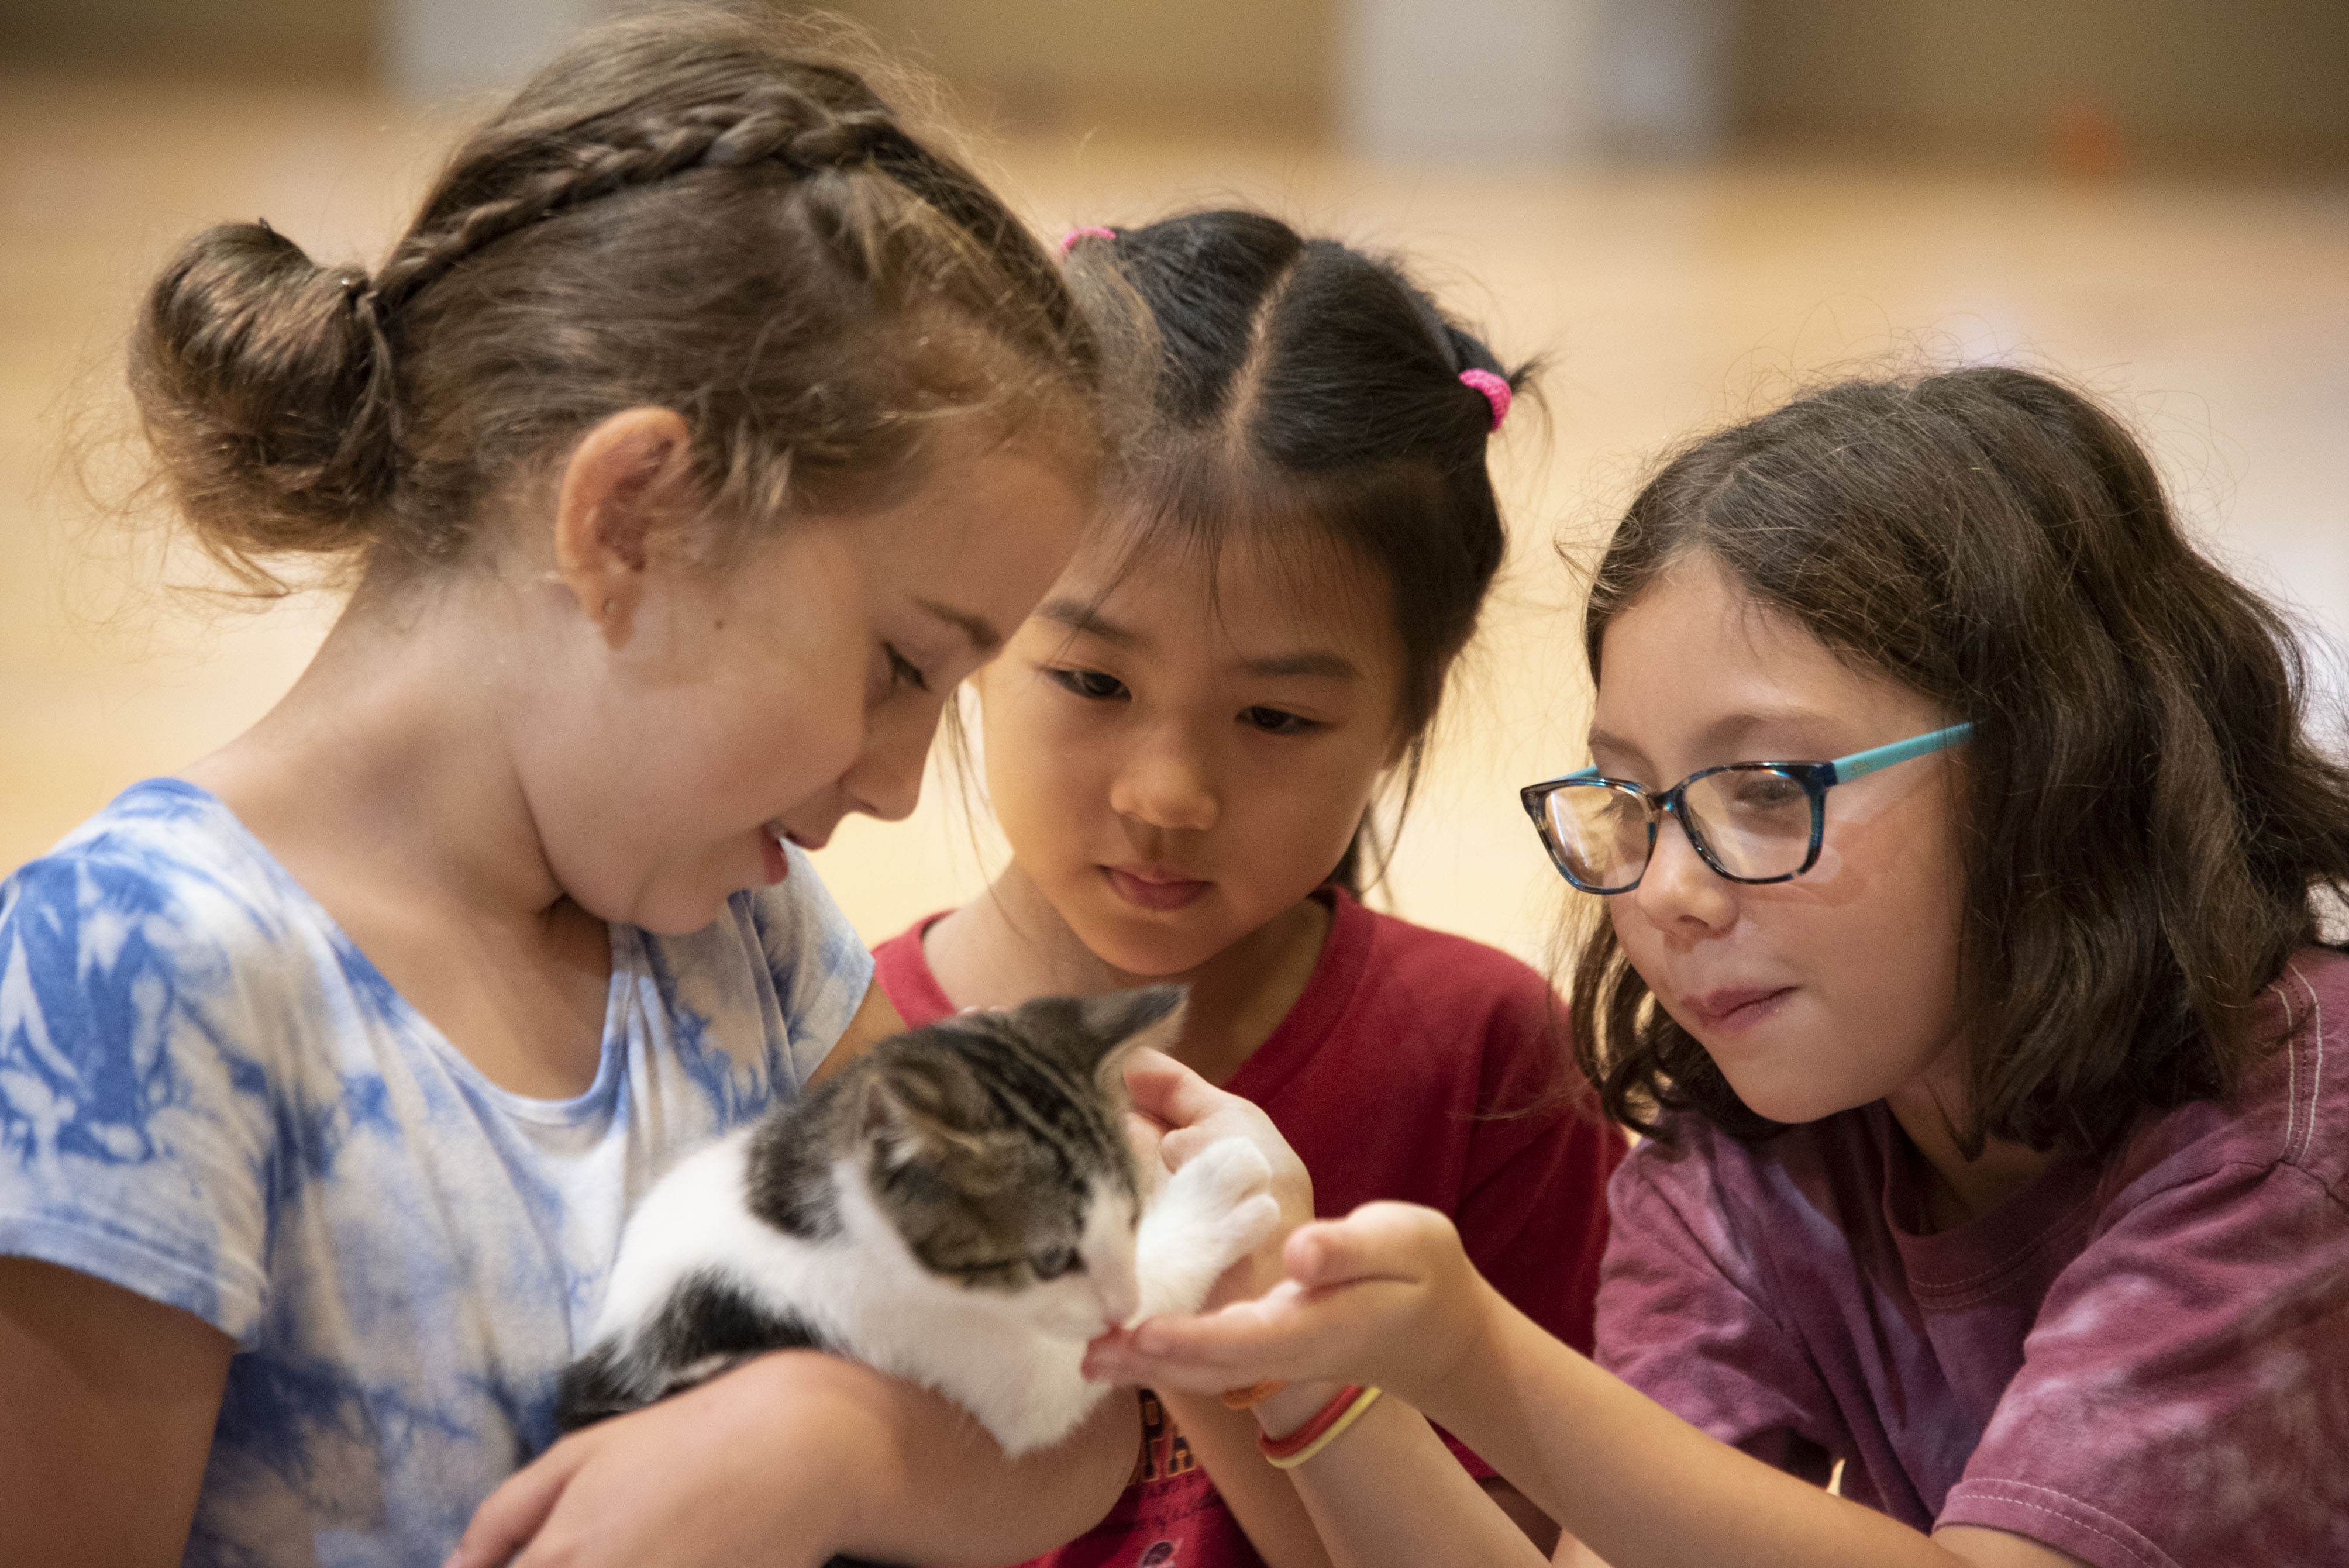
[904, 672]
[1054, 1262]
[1273, 721]
[1090, 684]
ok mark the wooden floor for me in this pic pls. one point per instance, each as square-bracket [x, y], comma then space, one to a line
[2216, 313]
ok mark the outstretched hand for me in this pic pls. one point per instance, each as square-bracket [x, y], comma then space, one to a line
[1386, 1295]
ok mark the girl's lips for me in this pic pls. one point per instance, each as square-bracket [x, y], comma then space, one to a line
[1737, 1007]
[1148, 887]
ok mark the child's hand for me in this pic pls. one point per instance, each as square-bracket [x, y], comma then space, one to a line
[1196, 1114]
[1385, 1296]
[750, 1467]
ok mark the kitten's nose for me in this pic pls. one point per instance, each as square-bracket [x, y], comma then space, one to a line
[1119, 1299]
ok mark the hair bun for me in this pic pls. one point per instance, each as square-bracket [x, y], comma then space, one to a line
[263, 381]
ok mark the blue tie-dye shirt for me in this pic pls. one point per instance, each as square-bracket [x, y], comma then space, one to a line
[209, 1097]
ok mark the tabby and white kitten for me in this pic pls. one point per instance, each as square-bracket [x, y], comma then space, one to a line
[961, 1208]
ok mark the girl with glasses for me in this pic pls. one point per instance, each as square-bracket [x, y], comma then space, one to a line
[1961, 841]
[1182, 747]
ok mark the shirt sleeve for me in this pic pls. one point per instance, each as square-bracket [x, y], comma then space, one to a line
[136, 1127]
[2184, 1394]
[1681, 1319]
[819, 965]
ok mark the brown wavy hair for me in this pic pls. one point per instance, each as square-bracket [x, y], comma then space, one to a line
[2145, 822]
[696, 209]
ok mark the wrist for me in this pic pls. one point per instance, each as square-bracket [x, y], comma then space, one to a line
[1282, 1413]
[1477, 1345]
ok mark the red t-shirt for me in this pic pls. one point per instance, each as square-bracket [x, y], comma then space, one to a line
[1416, 1066]
[2142, 1361]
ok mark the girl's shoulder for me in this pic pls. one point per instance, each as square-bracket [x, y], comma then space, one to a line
[164, 882]
[2290, 1112]
[1440, 970]
[1428, 1015]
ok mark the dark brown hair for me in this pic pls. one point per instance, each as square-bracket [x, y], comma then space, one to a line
[2143, 821]
[693, 210]
[1308, 396]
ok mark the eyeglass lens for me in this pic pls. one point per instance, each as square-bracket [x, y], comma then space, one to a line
[1755, 821]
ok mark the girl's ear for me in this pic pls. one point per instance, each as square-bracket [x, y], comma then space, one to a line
[626, 491]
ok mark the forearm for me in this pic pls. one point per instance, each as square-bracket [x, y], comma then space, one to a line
[942, 1493]
[1639, 1486]
[1260, 1496]
[1368, 1517]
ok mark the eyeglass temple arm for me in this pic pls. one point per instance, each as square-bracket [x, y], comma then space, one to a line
[1859, 764]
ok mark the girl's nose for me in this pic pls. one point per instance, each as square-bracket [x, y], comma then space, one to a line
[1166, 784]
[886, 781]
[1679, 889]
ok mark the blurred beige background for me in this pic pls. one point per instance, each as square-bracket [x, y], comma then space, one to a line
[1688, 205]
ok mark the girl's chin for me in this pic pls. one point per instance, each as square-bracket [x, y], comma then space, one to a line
[1789, 1104]
[1156, 954]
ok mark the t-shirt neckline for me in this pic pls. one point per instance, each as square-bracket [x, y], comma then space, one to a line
[626, 955]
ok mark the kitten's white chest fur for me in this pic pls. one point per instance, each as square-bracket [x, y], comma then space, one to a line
[1012, 1359]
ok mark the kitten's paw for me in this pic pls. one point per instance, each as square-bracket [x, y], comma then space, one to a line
[1219, 1179]
[1245, 1228]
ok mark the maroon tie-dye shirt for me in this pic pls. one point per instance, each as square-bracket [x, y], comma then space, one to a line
[2142, 1362]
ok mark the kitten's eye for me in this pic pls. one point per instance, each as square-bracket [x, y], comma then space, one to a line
[1054, 1262]
[1090, 684]
[1273, 721]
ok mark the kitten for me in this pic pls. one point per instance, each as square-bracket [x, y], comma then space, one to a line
[960, 1207]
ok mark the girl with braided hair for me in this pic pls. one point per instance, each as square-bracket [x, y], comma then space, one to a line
[703, 431]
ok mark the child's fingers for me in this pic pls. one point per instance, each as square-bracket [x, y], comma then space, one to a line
[1200, 1355]
[511, 1515]
[1165, 1090]
[1378, 1240]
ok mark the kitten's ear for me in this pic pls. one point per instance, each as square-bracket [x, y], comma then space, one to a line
[1126, 1021]
[902, 1131]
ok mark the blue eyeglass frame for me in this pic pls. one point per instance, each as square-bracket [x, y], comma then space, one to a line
[1815, 778]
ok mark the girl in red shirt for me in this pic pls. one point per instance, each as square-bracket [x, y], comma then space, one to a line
[1183, 746]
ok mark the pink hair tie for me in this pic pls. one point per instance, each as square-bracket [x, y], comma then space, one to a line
[1496, 390]
[1086, 232]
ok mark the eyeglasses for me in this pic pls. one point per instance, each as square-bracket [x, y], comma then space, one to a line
[1752, 821]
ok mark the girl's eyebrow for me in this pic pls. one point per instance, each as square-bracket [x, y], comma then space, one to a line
[984, 637]
[1078, 615]
[1317, 662]
[1606, 740]
[1726, 731]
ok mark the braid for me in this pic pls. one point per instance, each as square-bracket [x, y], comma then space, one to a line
[786, 308]
[771, 124]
